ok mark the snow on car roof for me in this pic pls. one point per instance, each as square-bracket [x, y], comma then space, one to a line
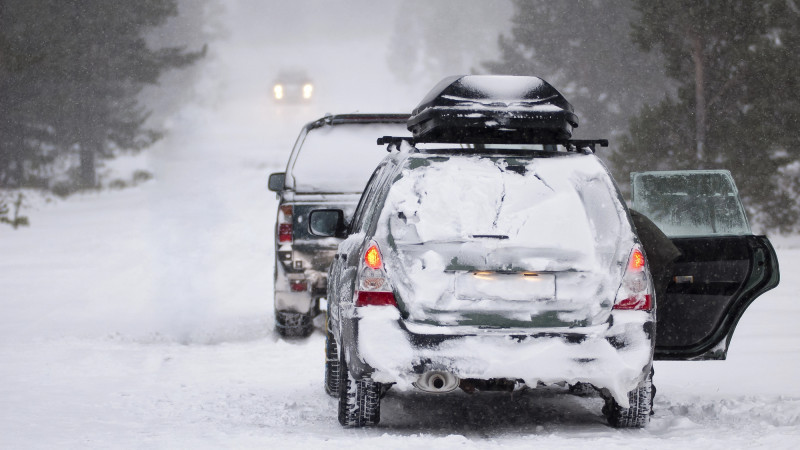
[499, 87]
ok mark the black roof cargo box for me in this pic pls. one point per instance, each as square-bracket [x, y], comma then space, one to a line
[493, 109]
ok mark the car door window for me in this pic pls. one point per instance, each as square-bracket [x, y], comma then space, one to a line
[722, 267]
[369, 191]
[690, 203]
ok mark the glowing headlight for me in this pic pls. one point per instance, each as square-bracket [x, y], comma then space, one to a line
[308, 89]
[278, 90]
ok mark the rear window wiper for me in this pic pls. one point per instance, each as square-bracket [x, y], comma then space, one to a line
[490, 236]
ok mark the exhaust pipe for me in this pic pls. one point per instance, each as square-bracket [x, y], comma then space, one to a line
[437, 382]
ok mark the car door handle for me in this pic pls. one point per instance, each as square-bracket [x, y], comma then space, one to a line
[683, 279]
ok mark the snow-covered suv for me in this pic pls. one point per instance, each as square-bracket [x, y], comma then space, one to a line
[495, 266]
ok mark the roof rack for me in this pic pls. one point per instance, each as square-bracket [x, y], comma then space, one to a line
[570, 144]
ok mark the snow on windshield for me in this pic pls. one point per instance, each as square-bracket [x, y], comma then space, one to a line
[564, 203]
[341, 158]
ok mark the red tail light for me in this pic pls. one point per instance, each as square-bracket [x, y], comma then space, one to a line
[366, 298]
[298, 285]
[635, 291]
[373, 284]
[285, 232]
[285, 224]
[644, 303]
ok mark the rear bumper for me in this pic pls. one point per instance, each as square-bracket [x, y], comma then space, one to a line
[302, 301]
[614, 356]
[299, 302]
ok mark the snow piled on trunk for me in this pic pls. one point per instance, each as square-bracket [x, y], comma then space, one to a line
[559, 215]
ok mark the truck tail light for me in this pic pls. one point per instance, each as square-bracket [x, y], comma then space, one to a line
[285, 228]
[298, 285]
[636, 290]
[285, 232]
[373, 285]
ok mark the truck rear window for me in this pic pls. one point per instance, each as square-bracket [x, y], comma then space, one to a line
[341, 158]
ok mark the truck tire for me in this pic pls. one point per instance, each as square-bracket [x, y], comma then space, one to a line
[293, 324]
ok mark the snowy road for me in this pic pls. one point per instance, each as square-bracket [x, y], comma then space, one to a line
[142, 318]
[249, 389]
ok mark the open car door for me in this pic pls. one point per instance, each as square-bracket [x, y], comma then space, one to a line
[723, 266]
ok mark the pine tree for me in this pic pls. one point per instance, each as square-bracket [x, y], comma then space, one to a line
[15, 219]
[737, 69]
[70, 71]
[583, 47]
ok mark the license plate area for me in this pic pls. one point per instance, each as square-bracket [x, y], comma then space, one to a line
[516, 286]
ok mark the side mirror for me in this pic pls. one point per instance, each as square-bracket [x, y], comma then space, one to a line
[327, 223]
[276, 181]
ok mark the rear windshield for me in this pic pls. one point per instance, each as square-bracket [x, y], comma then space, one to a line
[563, 202]
[340, 158]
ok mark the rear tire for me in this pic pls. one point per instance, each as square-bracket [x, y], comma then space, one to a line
[638, 414]
[293, 324]
[331, 361]
[359, 400]
[582, 389]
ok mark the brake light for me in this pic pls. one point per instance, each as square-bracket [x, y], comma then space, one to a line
[298, 285]
[285, 232]
[285, 228]
[373, 257]
[373, 285]
[366, 298]
[636, 290]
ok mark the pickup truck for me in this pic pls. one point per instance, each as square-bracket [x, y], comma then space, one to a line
[328, 168]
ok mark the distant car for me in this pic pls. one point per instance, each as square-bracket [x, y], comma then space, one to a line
[512, 261]
[292, 86]
[328, 168]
